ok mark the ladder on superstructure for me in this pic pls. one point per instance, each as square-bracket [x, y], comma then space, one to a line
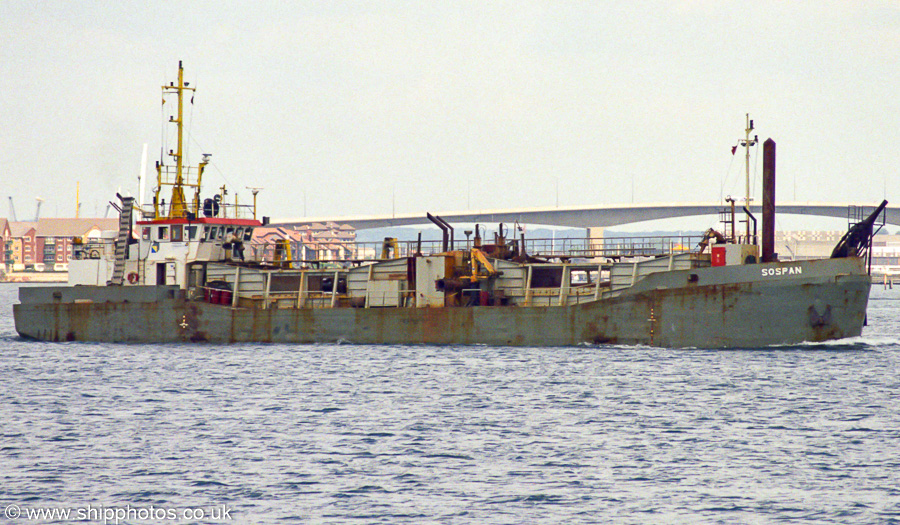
[122, 240]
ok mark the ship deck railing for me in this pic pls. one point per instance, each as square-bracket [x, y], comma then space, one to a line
[226, 210]
[561, 249]
[554, 284]
[317, 299]
[301, 298]
[567, 294]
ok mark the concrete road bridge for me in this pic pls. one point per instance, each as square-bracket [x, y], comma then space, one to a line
[594, 216]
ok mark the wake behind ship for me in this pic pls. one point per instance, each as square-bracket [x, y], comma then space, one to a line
[186, 277]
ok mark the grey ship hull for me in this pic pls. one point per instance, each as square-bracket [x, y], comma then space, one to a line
[716, 307]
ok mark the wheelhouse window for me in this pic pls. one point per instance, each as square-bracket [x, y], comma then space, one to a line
[163, 234]
[145, 233]
[177, 233]
[248, 234]
[211, 232]
[191, 233]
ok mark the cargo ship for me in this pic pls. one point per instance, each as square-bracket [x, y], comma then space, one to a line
[179, 271]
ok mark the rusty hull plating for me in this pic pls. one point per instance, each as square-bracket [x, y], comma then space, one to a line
[714, 307]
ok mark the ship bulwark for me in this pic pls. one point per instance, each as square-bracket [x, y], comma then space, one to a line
[720, 307]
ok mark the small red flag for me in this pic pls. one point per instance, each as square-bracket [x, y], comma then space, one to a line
[733, 149]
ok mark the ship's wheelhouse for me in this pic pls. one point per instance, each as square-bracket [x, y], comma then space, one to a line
[167, 248]
[196, 232]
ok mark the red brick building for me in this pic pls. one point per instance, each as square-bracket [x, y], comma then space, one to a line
[47, 243]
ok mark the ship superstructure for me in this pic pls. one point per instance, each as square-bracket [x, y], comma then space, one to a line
[171, 236]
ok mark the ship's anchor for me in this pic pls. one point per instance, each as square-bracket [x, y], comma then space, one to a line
[817, 320]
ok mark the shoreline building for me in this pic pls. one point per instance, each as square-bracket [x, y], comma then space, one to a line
[46, 244]
[801, 245]
[315, 242]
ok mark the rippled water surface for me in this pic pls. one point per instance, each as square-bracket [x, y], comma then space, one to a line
[423, 434]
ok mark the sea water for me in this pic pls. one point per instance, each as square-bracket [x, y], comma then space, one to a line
[451, 434]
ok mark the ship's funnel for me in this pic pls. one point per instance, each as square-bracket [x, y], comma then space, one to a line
[768, 202]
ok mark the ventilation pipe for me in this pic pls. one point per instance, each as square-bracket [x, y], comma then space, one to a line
[445, 227]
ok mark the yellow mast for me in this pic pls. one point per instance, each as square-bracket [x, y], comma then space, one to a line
[178, 206]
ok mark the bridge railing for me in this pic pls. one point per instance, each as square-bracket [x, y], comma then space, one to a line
[553, 248]
[612, 247]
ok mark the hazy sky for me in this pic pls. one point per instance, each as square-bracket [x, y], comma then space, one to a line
[430, 106]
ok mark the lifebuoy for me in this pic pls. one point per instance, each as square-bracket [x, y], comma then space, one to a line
[133, 277]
